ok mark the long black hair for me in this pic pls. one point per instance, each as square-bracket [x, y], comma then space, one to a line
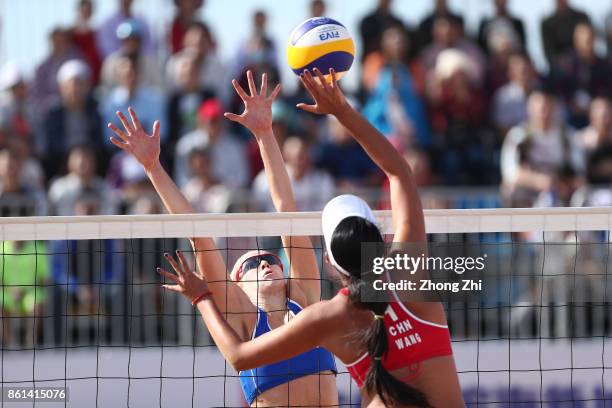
[346, 249]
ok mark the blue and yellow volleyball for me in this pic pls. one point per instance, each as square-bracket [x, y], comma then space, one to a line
[322, 43]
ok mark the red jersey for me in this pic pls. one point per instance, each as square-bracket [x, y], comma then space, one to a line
[411, 340]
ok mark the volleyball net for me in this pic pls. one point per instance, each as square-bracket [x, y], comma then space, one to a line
[82, 307]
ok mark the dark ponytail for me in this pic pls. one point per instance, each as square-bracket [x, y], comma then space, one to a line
[346, 249]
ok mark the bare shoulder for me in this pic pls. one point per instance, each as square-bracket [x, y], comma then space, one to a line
[330, 311]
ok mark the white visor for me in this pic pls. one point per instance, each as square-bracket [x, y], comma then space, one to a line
[335, 211]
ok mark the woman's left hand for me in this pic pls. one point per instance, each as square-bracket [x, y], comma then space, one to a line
[186, 281]
[257, 115]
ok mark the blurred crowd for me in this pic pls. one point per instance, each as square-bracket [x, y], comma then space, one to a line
[465, 109]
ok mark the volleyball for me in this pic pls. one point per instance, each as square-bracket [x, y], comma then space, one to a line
[322, 43]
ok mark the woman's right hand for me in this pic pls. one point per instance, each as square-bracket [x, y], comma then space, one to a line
[134, 140]
[328, 98]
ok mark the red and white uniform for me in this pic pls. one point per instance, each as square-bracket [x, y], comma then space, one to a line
[411, 341]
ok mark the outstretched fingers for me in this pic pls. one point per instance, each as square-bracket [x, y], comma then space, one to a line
[156, 126]
[233, 117]
[275, 92]
[174, 288]
[251, 82]
[177, 268]
[125, 122]
[120, 144]
[169, 275]
[307, 108]
[321, 78]
[134, 118]
[118, 132]
[241, 93]
[183, 261]
[334, 78]
[264, 85]
[308, 82]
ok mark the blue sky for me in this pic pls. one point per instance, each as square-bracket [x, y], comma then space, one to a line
[25, 23]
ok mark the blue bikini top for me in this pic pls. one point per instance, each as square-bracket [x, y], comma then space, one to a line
[258, 380]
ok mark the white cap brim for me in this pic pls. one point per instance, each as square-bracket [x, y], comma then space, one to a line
[337, 210]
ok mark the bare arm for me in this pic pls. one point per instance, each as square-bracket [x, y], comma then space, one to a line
[408, 219]
[257, 117]
[308, 329]
[134, 140]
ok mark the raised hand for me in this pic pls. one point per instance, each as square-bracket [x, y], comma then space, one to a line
[257, 115]
[328, 97]
[134, 140]
[186, 281]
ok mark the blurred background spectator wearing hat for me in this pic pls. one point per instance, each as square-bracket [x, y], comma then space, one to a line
[109, 41]
[131, 45]
[73, 119]
[17, 114]
[228, 160]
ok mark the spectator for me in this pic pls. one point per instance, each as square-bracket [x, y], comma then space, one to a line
[312, 188]
[24, 270]
[599, 131]
[65, 191]
[374, 24]
[317, 8]
[127, 176]
[84, 39]
[564, 184]
[394, 106]
[145, 100]
[149, 203]
[74, 120]
[344, 159]
[395, 49]
[228, 157]
[32, 173]
[461, 144]
[608, 33]
[108, 42]
[45, 89]
[510, 101]
[17, 199]
[130, 34]
[212, 73]
[502, 44]
[502, 21]
[597, 192]
[425, 33]
[202, 190]
[186, 14]
[257, 49]
[16, 109]
[581, 74]
[87, 274]
[558, 30]
[420, 165]
[447, 33]
[186, 99]
[535, 151]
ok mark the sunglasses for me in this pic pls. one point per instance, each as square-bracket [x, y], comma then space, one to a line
[254, 262]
